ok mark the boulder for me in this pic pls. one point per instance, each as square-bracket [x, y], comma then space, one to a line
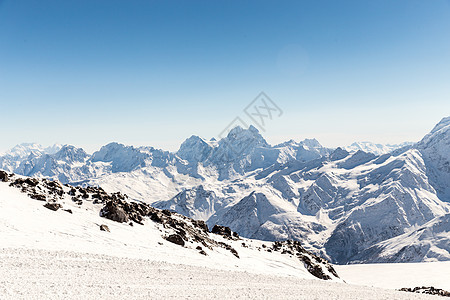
[52, 206]
[222, 230]
[104, 227]
[200, 224]
[176, 239]
[114, 212]
[4, 176]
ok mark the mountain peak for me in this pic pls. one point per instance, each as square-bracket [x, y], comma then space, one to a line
[194, 149]
[70, 153]
[238, 130]
[311, 143]
[251, 134]
[443, 123]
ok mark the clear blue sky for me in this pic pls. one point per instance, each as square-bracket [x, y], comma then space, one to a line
[87, 72]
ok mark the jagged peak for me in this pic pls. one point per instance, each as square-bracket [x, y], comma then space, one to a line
[438, 133]
[195, 148]
[339, 154]
[238, 130]
[252, 133]
[290, 143]
[443, 123]
[113, 151]
[194, 139]
[70, 153]
[311, 143]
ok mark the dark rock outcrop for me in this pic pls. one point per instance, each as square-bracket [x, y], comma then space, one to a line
[176, 239]
[315, 265]
[42, 189]
[427, 290]
[104, 227]
[114, 212]
[4, 177]
[52, 206]
[179, 227]
[225, 231]
[39, 197]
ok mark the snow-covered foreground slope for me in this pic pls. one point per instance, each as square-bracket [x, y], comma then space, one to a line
[44, 274]
[396, 276]
[63, 254]
[26, 223]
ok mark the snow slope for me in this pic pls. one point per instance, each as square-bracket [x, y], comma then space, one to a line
[63, 255]
[396, 276]
[26, 223]
[30, 274]
[429, 242]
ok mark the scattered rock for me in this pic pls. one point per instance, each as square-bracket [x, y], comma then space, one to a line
[104, 227]
[427, 290]
[52, 206]
[113, 212]
[315, 269]
[315, 265]
[203, 252]
[222, 230]
[200, 224]
[30, 181]
[68, 210]
[176, 239]
[167, 212]
[38, 197]
[4, 177]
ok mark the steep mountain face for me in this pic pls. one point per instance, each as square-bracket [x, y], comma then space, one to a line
[195, 150]
[435, 148]
[196, 203]
[341, 204]
[250, 213]
[429, 242]
[121, 158]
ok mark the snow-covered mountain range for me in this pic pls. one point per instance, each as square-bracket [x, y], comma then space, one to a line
[363, 205]
[377, 149]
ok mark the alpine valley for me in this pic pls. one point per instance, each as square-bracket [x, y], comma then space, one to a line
[358, 204]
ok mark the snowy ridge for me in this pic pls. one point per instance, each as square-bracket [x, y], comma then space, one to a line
[377, 149]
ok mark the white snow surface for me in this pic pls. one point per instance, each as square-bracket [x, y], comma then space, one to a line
[57, 255]
[396, 276]
[44, 274]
